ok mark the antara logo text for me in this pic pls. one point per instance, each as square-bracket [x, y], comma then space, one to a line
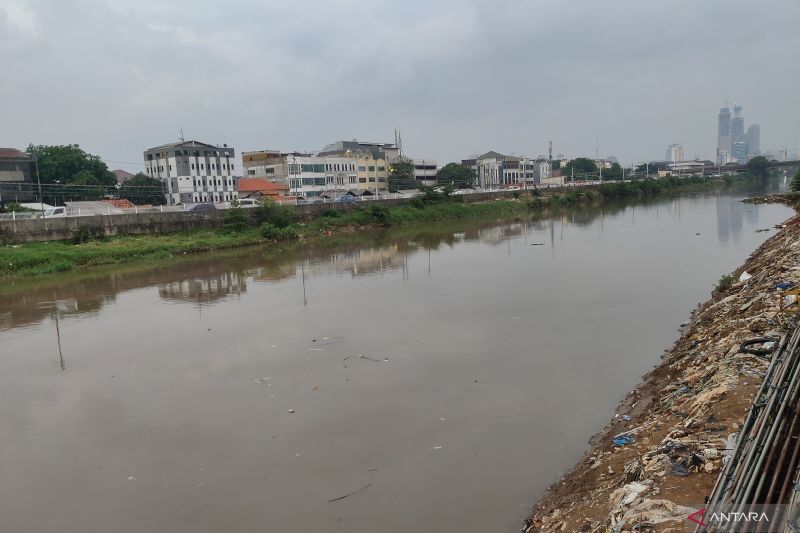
[698, 517]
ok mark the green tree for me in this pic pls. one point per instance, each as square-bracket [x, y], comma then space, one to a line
[613, 173]
[83, 186]
[758, 167]
[142, 189]
[579, 165]
[401, 175]
[69, 173]
[794, 185]
[64, 163]
[460, 176]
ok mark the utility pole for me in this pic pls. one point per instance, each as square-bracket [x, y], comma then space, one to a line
[38, 181]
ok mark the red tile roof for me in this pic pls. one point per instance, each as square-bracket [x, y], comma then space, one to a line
[13, 153]
[261, 185]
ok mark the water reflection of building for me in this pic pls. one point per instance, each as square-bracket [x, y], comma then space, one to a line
[370, 260]
[730, 219]
[205, 290]
[32, 307]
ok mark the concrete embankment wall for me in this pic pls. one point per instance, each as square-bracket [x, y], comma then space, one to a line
[56, 229]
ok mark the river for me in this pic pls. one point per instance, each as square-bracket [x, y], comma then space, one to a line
[442, 376]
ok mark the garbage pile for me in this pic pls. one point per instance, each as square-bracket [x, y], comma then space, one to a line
[658, 459]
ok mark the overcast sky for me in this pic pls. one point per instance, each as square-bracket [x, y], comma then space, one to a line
[457, 77]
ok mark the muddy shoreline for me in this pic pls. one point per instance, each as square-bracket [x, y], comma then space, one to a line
[659, 456]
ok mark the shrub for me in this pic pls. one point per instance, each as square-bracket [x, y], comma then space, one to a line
[379, 215]
[273, 232]
[280, 216]
[725, 282]
[417, 202]
[234, 220]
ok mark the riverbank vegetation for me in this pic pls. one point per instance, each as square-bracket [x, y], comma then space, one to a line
[273, 223]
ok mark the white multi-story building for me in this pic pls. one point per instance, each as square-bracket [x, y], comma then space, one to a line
[425, 171]
[193, 171]
[674, 153]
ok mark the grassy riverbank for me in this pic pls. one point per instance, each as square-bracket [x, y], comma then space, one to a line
[268, 225]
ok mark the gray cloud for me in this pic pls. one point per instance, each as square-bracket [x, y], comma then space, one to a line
[457, 77]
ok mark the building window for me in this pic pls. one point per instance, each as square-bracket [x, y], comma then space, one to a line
[362, 168]
[352, 179]
[362, 180]
[381, 169]
[371, 168]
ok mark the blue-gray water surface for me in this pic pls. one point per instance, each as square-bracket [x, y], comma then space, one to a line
[442, 376]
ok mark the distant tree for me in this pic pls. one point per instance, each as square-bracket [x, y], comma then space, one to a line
[142, 189]
[580, 165]
[401, 175]
[758, 167]
[460, 176]
[794, 185]
[613, 173]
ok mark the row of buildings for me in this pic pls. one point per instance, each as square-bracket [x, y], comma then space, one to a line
[193, 171]
[495, 170]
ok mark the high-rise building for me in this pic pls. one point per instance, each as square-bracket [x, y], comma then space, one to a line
[674, 153]
[753, 138]
[724, 144]
[737, 125]
[740, 152]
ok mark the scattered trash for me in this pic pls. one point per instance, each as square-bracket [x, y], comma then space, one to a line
[365, 487]
[744, 276]
[626, 418]
[623, 440]
[784, 286]
[679, 470]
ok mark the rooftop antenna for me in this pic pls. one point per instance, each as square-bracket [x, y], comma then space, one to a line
[597, 146]
[550, 153]
[398, 141]
[182, 139]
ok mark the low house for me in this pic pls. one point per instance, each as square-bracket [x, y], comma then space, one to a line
[16, 176]
[260, 188]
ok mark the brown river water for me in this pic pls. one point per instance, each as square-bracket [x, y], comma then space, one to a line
[442, 376]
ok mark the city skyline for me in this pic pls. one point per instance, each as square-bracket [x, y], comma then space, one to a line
[440, 80]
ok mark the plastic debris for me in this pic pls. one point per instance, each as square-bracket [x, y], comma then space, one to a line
[784, 286]
[744, 276]
[623, 440]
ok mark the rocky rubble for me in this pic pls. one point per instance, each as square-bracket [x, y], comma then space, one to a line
[658, 459]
